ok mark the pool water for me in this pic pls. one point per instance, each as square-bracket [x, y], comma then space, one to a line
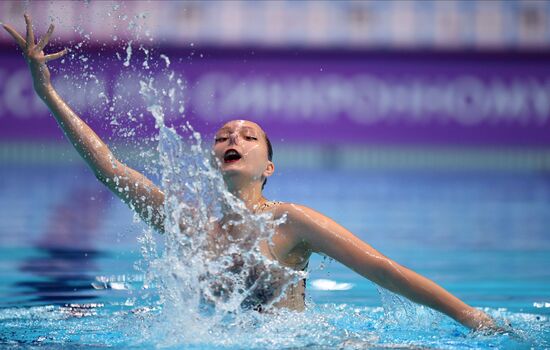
[70, 260]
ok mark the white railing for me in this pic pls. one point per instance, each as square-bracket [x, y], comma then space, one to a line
[474, 24]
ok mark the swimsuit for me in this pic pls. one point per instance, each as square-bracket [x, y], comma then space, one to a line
[261, 281]
[293, 290]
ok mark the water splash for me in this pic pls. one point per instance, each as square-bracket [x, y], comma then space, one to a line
[192, 296]
[210, 273]
[128, 54]
[399, 312]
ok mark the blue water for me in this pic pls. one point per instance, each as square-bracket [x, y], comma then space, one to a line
[483, 236]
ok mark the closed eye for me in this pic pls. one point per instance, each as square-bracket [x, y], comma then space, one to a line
[220, 139]
[249, 138]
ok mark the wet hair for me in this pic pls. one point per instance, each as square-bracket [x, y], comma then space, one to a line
[269, 154]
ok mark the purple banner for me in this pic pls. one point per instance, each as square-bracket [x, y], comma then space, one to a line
[327, 97]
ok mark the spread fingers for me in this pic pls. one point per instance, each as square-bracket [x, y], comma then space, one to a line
[30, 33]
[56, 55]
[16, 36]
[45, 39]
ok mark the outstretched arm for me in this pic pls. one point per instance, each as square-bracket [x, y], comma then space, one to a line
[323, 235]
[132, 187]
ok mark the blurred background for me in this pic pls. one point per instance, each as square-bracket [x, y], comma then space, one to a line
[381, 83]
[417, 124]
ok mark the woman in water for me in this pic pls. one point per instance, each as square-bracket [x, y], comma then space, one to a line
[244, 154]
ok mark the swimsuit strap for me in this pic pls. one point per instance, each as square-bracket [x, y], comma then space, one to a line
[266, 205]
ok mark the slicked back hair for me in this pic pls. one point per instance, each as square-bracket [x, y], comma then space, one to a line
[269, 154]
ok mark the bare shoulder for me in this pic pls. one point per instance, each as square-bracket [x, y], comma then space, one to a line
[320, 232]
[297, 214]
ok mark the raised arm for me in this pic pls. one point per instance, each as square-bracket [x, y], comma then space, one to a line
[132, 187]
[325, 236]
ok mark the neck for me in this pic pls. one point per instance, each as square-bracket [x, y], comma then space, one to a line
[251, 195]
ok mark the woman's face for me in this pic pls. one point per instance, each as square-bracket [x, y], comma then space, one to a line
[241, 149]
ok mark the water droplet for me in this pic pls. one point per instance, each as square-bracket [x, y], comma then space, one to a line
[166, 60]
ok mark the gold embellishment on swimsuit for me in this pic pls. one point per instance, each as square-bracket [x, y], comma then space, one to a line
[266, 205]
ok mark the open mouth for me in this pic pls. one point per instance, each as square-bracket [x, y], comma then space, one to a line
[231, 156]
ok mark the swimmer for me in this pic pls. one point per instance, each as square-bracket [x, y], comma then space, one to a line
[245, 157]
